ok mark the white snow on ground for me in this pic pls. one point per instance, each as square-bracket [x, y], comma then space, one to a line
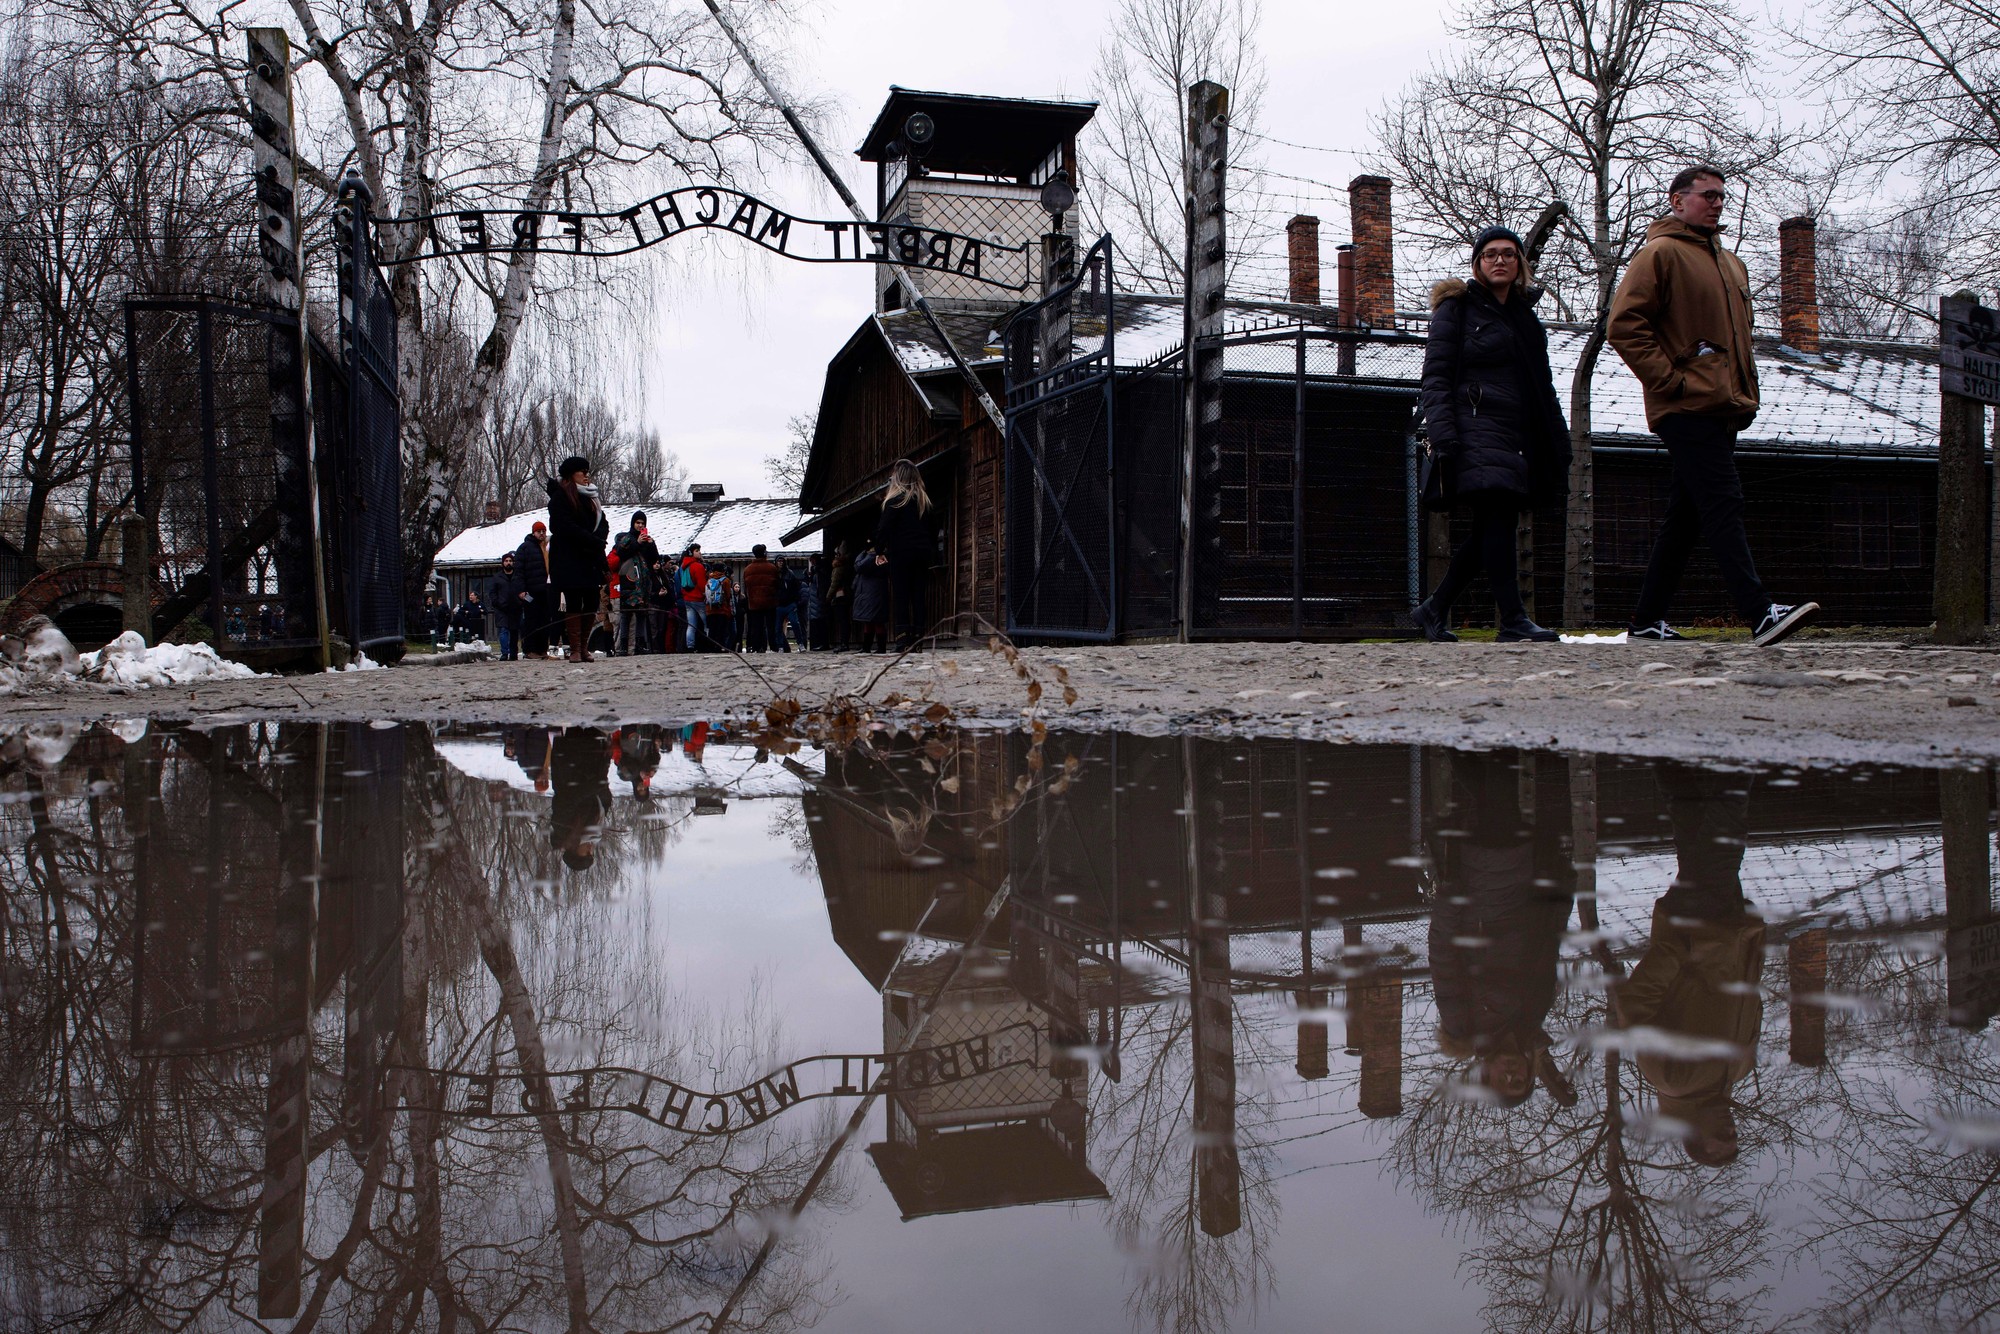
[362, 663]
[1619, 638]
[127, 661]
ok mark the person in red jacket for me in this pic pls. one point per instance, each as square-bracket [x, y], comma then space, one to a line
[760, 601]
[693, 581]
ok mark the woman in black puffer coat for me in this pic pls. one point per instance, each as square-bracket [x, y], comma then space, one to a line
[1490, 407]
[578, 534]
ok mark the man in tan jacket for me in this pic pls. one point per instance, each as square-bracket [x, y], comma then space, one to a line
[1681, 321]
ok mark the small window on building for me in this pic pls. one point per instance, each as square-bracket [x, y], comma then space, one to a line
[1256, 491]
[1878, 527]
[1629, 511]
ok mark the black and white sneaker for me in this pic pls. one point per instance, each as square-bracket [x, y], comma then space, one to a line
[1657, 632]
[1780, 622]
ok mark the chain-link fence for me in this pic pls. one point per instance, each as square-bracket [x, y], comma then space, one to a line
[221, 469]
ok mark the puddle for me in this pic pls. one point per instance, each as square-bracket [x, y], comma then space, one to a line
[399, 1027]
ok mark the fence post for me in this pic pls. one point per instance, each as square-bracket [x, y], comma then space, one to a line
[1207, 252]
[1964, 550]
[136, 553]
[270, 89]
[1299, 491]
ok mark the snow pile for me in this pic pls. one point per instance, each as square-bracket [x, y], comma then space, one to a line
[362, 663]
[1620, 638]
[126, 661]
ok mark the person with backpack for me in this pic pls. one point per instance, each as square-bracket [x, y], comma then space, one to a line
[721, 607]
[636, 555]
[692, 578]
[1490, 409]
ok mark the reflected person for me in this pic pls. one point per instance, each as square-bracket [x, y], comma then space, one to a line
[1496, 933]
[1698, 977]
[580, 763]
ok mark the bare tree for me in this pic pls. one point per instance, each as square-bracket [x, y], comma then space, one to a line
[643, 471]
[1136, 158]
[1916, 80]
[787, 468]
[1592, 102]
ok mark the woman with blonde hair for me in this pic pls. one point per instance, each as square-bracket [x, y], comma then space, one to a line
[906, 543]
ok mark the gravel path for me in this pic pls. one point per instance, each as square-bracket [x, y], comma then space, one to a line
[1816, 700]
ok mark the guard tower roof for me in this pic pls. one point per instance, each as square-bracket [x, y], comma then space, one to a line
[978, 136]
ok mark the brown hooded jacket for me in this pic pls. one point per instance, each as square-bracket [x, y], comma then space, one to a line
[1681, 321]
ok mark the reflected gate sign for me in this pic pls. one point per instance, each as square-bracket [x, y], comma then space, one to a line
[510, 1095]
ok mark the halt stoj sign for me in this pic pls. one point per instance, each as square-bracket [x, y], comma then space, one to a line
[1969, 349]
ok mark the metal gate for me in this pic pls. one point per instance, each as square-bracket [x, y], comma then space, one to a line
[367, 502]
[1062, 566]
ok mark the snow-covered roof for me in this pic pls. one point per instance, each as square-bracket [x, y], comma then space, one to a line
[1861, 397]
[726, 530]
[725, 768]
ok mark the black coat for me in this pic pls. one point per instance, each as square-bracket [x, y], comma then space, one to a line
[503, 595]
[904, 533]
[578, 535]
[1488, 395]
[531, 566]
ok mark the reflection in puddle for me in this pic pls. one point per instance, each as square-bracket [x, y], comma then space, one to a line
[393, 1027]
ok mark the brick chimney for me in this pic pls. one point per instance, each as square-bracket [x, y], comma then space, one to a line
[1343, 266]
[1302, 244]
[1798, 284]
[1374, 251]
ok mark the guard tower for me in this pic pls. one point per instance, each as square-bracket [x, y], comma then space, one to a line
[975, 166]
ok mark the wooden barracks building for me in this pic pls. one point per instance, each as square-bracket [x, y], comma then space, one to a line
[1311, 524]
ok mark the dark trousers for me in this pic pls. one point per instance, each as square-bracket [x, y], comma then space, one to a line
[1707, 502]
[907, 577]
[839, 622]
[1495, 516]
[762, 631]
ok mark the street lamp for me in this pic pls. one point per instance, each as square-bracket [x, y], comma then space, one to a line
[1058, 197]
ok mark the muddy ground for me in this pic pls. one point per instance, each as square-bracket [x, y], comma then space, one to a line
[1814, 700]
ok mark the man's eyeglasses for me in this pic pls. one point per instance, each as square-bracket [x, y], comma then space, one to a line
[1712, 196]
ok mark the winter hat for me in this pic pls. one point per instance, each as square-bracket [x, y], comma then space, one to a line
[571, 466]
[1497, 233]
[638, 518]
[539, 527]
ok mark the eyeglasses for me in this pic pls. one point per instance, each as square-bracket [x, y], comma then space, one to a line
[1712, 196]
[1509, 256]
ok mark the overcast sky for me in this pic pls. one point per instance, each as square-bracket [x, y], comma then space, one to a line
[739, 352]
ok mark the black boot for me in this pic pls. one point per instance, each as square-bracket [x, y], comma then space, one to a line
[1430, 621]
[1521, 630]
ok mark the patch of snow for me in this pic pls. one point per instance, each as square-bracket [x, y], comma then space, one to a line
[127, 661]
[1620, 638]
